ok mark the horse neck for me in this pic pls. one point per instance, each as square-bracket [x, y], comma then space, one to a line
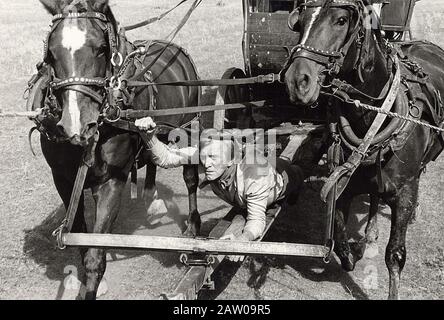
[373, 67]
[374, 76]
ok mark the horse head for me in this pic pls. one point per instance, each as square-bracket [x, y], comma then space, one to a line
[334, 40]
[78, 49]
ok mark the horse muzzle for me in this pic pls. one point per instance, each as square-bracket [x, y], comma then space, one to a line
[83, 138]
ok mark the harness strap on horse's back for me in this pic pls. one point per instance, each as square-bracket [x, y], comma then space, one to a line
[172, 35]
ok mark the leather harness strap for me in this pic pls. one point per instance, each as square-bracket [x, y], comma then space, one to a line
[154, 19]
[87, 162]
[342, 175]
[269, 78]
[350, 90]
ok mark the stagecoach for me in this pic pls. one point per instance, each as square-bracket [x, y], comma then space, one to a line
[266, 45]
[396, 16]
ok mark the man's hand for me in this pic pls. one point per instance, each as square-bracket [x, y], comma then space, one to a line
[146, 124]
[242, 237]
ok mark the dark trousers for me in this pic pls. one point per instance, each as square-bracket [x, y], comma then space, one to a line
[293, 178]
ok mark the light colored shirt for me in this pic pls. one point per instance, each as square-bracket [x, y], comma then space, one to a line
[249, 186]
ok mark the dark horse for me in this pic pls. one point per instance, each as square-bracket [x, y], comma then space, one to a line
[79, 47]
[337, 41]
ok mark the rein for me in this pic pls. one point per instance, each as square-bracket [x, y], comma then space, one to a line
[87, 162]
[152, 20]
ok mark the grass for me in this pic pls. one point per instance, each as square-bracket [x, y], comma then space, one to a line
[29, 204]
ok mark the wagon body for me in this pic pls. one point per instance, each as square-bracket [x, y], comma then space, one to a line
[396, 16]
[267, 41]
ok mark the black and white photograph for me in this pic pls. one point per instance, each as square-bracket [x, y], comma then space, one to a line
[244, 151]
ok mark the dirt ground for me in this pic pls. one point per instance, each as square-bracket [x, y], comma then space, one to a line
[30, 209]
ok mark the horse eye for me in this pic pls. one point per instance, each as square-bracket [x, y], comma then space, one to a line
[342, 21]
[102, 51]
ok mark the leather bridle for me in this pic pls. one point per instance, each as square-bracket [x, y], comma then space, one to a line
[331, 60]
[85, 85]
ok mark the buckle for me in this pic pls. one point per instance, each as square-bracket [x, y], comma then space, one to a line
[116, 110]
[115, 83]
[269, 78]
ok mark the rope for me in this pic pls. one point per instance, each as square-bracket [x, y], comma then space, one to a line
[390, 114]
[25, 114]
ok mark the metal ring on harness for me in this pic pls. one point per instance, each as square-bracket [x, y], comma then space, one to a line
[141, 50]
[117, 110]
[58, 234]
[330, 244]
[183, 258]
[281, 78]
[414, 111]
[113, 59]
[115, 83]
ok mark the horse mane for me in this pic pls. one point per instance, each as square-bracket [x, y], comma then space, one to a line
[369, 32]
[111, 18]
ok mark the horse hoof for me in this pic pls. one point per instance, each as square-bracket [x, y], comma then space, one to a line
[348, 263]
[103, 288]
[191, 231]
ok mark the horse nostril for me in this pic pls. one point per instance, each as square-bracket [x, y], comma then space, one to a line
[303, 82]
[61, 130]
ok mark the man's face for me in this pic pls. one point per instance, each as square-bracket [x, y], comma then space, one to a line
[216, 158]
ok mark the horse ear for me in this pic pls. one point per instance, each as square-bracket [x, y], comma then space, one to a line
[52, 6]
[293, 20]
[100, 5]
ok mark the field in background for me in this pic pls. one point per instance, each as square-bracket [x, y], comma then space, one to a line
[30, 208]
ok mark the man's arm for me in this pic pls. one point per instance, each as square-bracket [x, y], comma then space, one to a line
[257, 200]
[162, 155]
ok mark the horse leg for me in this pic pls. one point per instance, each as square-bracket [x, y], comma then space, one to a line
[342, 246]
[107, 197]
[402, 207]
[371, 229]
[153, 204]
[191, 177]
[64, 188]
[371, 232]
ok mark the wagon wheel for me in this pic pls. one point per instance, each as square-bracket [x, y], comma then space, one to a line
[241, 118]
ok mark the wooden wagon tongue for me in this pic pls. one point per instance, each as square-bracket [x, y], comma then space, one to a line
[202, 255]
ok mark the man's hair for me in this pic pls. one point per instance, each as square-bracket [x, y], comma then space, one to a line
[226, 135]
